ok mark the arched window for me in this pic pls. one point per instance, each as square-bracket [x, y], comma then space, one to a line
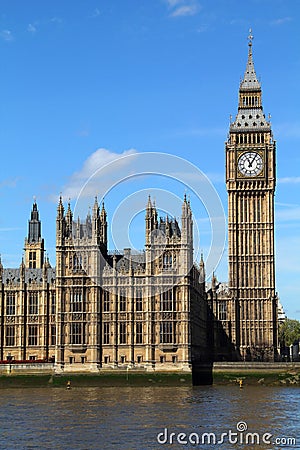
[167, 261]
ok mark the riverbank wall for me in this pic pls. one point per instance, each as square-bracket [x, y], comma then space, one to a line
[225, 373]
[275, 374]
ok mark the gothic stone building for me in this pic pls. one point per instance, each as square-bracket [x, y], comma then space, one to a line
[28, 302]
[106, 310]
[98, 309]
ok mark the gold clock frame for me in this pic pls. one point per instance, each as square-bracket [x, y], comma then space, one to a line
[240, 175]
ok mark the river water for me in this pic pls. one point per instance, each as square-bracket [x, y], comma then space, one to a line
[145, 417]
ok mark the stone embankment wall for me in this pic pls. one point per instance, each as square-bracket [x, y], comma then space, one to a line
[256, 373]
[27, 369]
[274, 374]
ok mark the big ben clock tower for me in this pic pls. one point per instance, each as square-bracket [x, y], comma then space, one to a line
[250, 181]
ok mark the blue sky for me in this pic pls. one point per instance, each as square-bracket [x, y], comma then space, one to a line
[83, 82]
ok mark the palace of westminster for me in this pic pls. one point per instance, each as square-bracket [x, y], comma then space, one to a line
[101, 310]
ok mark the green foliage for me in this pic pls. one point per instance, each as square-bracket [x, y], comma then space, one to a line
[289, 331]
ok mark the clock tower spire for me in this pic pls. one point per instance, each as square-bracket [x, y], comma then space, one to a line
[250, 181]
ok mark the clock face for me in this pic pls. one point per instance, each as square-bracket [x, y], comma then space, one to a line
[250, 164]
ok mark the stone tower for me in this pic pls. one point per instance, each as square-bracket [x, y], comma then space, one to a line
[250, 180]
[79, 246]
[34, 244]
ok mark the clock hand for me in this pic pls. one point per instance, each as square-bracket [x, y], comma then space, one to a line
[252, 161]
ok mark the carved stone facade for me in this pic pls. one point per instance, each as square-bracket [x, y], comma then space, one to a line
[99, 310]
[247, 308]
[28, 302]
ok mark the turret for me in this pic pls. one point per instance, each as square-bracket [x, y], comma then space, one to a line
[186, 222]
[202, 275]
[69, 220]
[60, 209]
[96, 222]
[151, 220]
[34, 244]
[60, 223]
[213, 282]
[22, 271]
[34, 226]
[45, 270]
[103, 230]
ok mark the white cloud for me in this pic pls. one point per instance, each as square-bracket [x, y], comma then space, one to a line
[185, 10]
[84, 131]
[7, 35]
[96, 170]
[173, 3]
[286, 205]
[181, 8]
[288, 214]
[281, 21]
[289, 180]
[202, 29]
[96, 13]
[56, 20]
[31, 28]
[99, 159]
[9, 183]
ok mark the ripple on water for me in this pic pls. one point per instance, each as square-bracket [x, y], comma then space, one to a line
[131, 418]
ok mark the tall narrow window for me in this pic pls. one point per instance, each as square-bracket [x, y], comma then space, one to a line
[53, 335]
[10, 304]
[32, 260]
[139, 300]
[53, 303]
[166, 300]
[10, 336]
[33, 306]
[167, 333]
[242, 311]
[76, 333]
[106, 304]
[122, 301]
[76, 301]
[106, 332]
[167, 261]
[260, 309]
[139, 333]
[123, 336]
[32, 335]
[77, 262]
[222, 310]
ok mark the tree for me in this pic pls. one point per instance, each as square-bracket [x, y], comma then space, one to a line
[289, 332]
